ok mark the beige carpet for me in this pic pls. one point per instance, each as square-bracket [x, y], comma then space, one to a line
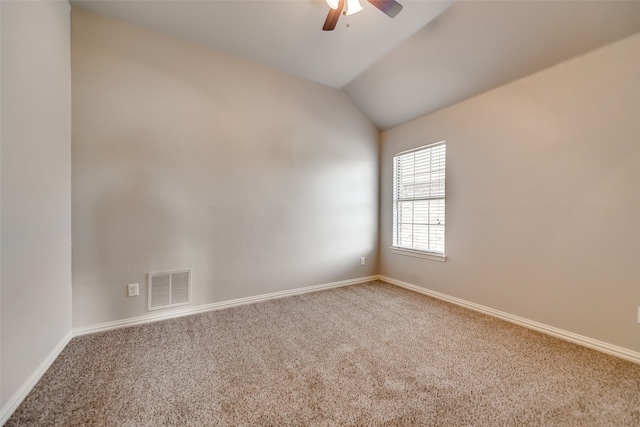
[370, 354]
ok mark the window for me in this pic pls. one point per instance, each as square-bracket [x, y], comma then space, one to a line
[418, 201]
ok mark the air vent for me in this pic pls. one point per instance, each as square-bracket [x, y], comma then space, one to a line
[169, 289]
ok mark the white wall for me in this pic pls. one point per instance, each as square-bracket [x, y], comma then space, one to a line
[543, 197]
[188, 158]
[36, 191]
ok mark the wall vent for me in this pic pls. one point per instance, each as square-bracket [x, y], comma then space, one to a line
[169, 289]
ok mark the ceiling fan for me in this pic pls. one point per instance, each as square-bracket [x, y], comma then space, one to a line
[390, 7]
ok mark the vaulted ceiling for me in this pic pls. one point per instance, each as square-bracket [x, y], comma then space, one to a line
[432, 55]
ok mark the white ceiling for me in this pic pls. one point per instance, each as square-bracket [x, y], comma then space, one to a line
[476, 46]
[432, 55]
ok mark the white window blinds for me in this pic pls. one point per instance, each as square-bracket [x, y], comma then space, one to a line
[418, 199]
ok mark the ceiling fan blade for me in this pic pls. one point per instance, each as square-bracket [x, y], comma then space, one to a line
[332, 17]
[390, 7]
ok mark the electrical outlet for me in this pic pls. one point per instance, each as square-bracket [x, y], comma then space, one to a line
[133, 289]
[362, 260]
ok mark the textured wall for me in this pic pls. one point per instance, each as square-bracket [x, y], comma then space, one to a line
[543, 200]
[36, 190]
[188, 158]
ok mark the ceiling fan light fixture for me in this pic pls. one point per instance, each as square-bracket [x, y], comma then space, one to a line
[353, 6]
[333, 4]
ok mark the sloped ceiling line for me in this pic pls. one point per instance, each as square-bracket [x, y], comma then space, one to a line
[432, 55]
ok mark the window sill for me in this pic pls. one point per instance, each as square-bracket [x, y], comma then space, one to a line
[418, 254]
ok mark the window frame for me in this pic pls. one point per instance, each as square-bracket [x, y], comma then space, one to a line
[414, 251]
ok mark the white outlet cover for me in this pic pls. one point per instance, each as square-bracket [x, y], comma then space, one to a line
[133, 289]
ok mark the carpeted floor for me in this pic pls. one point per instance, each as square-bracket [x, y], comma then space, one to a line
[370, 354]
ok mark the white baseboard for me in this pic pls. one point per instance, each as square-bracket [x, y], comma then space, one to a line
[591, 343]
[154, 317]
[17, 398]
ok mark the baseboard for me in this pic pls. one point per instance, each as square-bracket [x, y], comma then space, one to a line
[591, 343]
[17, 398]
[155, 317]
